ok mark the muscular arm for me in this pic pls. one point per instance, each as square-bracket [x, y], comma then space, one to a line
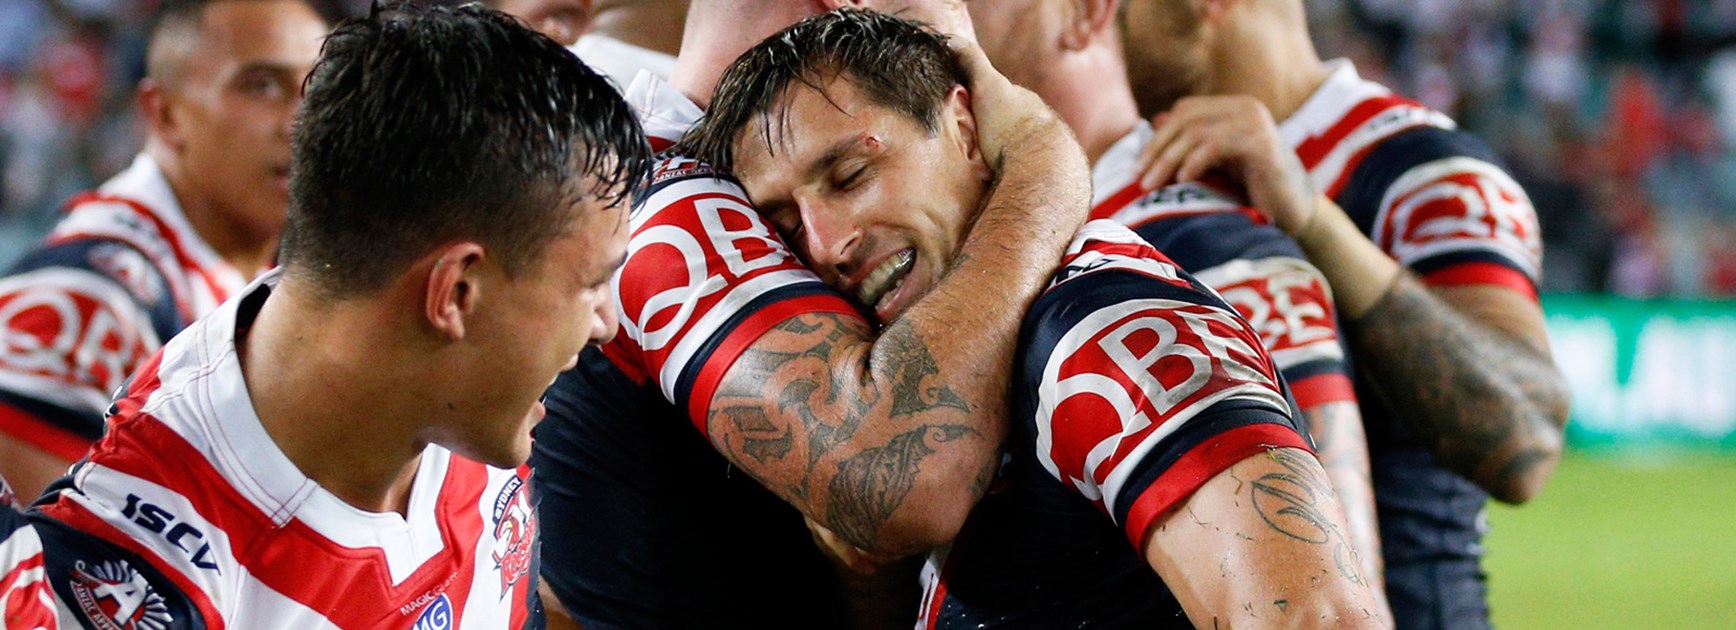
[889, 439]
[1342, 446]
[1263, 544]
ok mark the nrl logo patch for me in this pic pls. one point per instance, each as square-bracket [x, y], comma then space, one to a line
[113, 596]
[515, 531]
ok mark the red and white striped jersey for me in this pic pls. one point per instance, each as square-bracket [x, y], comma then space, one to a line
[1431, 197]
[705, 276]
[26, 603]
[188, 515]
[121, 273]
[1212, 234]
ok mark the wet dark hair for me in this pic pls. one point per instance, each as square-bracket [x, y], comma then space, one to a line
[896, 63]
[424, 125]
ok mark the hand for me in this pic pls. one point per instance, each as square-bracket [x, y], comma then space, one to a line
[1234, 135]
[1008, 117]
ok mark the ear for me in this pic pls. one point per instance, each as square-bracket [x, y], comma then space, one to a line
[956, 113]
[156, 108]
[1086, 20]
[453, 288]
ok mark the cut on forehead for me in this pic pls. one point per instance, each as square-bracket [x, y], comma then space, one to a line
[178, 30]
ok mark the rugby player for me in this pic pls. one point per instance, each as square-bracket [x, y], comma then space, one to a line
[193, 219]
[342, 445]
[1154, 466]
[737, 367]
[1430, 247]
[1070, 53]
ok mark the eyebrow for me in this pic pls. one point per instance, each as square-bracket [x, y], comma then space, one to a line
[832, 155]
[608, 273]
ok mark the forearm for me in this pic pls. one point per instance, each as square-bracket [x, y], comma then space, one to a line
[1342, 446]
[888, 441]
[1490, 406]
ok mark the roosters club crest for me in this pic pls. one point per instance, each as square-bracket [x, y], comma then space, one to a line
[114, 596]
[515, 531]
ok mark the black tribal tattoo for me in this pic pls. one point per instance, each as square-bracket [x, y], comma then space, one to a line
[872, 485]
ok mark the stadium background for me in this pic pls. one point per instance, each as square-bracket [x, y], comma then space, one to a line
[1618, 117]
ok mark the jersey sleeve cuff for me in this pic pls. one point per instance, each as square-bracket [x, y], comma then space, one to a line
[1321, 389]
[1198, 466]
[1481, 273]
[18, 424]
[743, 336]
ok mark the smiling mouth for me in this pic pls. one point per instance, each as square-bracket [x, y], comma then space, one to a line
[882, 283]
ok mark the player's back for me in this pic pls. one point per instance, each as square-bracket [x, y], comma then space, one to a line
[1135, 385]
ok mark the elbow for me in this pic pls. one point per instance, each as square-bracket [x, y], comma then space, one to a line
[1525, 472]
[937, 508]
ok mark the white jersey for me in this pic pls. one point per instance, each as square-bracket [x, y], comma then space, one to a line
[25, 599]
[620, 61]
[188, 515]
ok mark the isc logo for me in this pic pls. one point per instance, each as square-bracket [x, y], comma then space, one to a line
[163, 522]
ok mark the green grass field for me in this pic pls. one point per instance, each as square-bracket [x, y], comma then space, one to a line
[1619, 543]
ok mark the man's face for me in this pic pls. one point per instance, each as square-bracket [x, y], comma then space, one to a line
[1167, 57]
[1017, 35]
[875, 202]
[231, 101]
[531, 326]
[561, 20]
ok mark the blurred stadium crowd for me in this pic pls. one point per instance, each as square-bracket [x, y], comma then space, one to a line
[1618, 117]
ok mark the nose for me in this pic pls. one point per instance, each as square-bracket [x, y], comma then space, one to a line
[605, 323]
[831, 232]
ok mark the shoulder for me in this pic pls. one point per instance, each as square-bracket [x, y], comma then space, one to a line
[104, 585]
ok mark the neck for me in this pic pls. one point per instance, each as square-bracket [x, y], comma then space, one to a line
[1269, 57]
[247, 249]
[338, 400]
[1088, 89]
[649, 25]
[718, 31]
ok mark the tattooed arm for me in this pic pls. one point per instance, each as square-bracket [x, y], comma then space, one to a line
[1342, 445]
[1468, 365]
[1263, 544]
[889, 440]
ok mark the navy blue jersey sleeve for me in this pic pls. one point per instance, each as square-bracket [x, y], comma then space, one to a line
[104, 586]
[1439, 202]
[79, 316]
[1141, 385]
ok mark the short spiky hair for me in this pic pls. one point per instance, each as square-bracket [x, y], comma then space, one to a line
[424, 125]
[896, 63]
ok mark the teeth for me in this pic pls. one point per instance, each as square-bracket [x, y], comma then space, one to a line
[885, 278]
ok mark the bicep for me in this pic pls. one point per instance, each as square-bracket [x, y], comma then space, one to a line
[1500, 307]
[1262, 540]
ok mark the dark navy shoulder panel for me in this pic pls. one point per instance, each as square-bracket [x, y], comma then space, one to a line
[1204, 241]
[99, 581]
[121, 264]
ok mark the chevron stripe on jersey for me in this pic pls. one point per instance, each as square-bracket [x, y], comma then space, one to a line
[122, 271]
[189, 497]
[1233, 249]
[705, 276]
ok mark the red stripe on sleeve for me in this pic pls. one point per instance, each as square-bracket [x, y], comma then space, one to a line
[1321, 389]
[743, 336]
[50, 439]
[1476, 273]
[1198, 466]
